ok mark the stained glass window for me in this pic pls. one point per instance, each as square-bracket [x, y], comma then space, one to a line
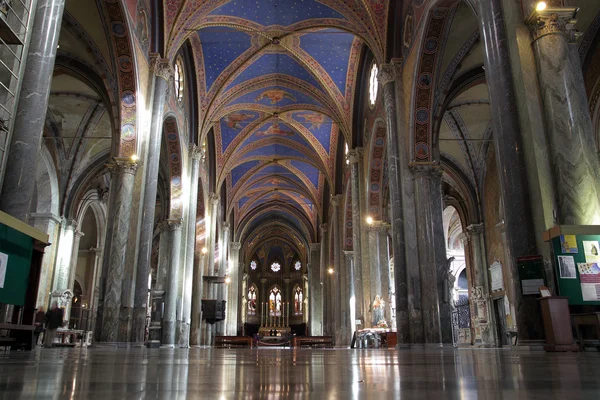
[373, 84]
[275, 267]
[275, 304]
[298, 300]
[298, 265]
[253, 265]
[252, 296]
[178, 77]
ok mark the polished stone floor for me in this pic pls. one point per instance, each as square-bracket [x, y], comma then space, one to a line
[298, 374]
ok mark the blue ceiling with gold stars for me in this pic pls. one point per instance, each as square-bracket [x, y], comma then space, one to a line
[277, 88]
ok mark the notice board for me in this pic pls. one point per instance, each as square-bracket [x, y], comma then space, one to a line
[577, 267]
[16, 249]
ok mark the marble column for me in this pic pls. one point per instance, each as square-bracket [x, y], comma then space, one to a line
[188, 282]
[19, 177]
[170, 315]
[123, 177]
[508, 143]
[77, 235]
[162, 270]
[222, 289]
[429, 213]
[349, 299]
[95, 290]
[379, 260]
[484, 326]
[568, 121]
[305, 306]
[233, 295]
[325, 278]
[316, 290]
[354, 157]
[162, 71]
[197, 293]
[62, 268]
[388, 78]
[48, 223]
[210, 270]
[339, 287]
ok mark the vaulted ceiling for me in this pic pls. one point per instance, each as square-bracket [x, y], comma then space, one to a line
[276, 81]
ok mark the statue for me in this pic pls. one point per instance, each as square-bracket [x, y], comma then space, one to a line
[378, 311]
[448, 281]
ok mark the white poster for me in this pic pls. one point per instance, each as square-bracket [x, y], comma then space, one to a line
[589, 274]
[3, 265]
[566, 266]
[591, 250]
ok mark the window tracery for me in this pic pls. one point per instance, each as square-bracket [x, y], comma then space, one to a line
[252, 296]
[275, 302]
[298, 300]
[373, 85]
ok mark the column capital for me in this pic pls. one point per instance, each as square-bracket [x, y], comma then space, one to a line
[225, 226]
[336, 200]
[195, 151]
[355, 155]
[161, 67]
[315, 247]
[475, 229]
[122, 165]
[379, 226]
[174, 224]
[428, 170]
[163, 225]
[236, 246]
[388, 73]
[213, 198]
[263, 280]
[349, 254]
[554, 20]
[324, 227]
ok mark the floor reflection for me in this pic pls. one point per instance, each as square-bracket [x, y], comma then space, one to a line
[297, 374]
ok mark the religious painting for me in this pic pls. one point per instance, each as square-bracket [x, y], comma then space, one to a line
[275, 95]
[315, 119]
[234, 120]
[275, 302]
[275, 130]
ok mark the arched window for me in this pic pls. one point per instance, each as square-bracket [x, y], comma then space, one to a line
[252, 296]
[298, 265]
[253, 265]
[298, 300]
[275, 304]
[275, 267]
[373, 85]
[178, 77]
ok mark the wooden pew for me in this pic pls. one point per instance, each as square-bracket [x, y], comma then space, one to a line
[313, 341]
[20, 335]
[590, 319]
[233, 341]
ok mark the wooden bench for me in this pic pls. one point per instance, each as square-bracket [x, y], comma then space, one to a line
[312, 341]
[21, 335]
[233, 341]
[591, 319]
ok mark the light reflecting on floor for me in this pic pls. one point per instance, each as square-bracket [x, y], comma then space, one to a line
[298, 374]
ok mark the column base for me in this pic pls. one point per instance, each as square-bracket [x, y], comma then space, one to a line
[167, 346]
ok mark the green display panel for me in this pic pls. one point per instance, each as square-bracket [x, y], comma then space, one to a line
[19, 248]
[568, 285]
